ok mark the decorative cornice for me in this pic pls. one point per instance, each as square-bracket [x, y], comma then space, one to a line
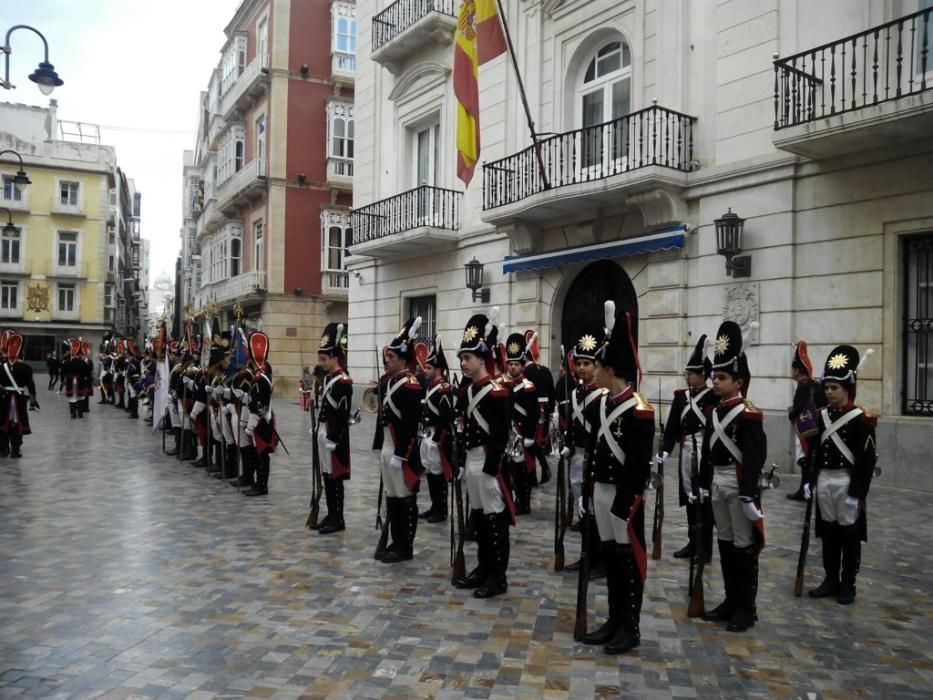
[427, 74]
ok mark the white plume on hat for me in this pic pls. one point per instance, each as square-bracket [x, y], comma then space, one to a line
[493, 321]
[415, 327]
[609, 309]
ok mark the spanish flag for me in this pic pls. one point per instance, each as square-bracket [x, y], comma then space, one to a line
[479, 39]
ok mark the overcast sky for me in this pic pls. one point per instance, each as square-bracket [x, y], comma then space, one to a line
[135, 68]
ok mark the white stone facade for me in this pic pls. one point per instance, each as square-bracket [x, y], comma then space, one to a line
[825, 233]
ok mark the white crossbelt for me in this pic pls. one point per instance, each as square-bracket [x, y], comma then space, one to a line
[720, 431]
[473, 406]
[578, 408]
[605, 427]
[9, 374]
[390, 391]
[427, 400]
[520, 409]
[693, 404]
[327, 385]
[832, 430]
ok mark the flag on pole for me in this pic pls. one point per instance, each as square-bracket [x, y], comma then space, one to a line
[479, 39]
[490, 41]
[160, 398]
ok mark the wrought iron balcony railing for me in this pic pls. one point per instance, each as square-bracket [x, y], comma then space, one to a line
[651, 136]
[402, 14]
[884, 63]
[421, 207]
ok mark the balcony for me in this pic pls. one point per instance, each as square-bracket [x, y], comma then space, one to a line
[242, 187]
[869, 90]
[593, 167]
[18, 201]
[426, 216]
[406, 26]
[52, 270]
[247, 285]
[343, 68]
[248, 87]
[335, 283]
[61, 209]
[340, 173]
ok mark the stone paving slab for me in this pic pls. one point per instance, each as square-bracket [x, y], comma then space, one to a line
[127, 574]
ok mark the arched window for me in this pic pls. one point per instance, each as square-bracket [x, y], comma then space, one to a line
[238, 155]
[604, 95]
[234, 257]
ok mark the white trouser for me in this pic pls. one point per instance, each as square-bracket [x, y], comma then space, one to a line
[731, 523]
[213, 416]
[832, 487]
[483, 489]
[610, 527]
[686, 461]
[576, 475]
[431, 455]
[798, 449]
[245, 440]
[322, 451]
[392, 478]
[224, 417]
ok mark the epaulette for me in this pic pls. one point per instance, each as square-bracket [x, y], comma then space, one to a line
[527, 384]
[752, 412]
[868, 418]
[413, 383]
[345, 378]
[642, 409]
[679, 392]
[499, 388]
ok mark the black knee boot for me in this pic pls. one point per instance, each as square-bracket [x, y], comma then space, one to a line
[851, 560]
[191, 446]
[233, 467]
[832, 549]
[476, 577]
[723, 611]
[439, 499]
[631, 591]
[496, 526]
[746, 588]
[73, 408]
[333, 493]
[173, 452]
[133, 407]
[613, 581]
[247, 465]
[261, 487]
[404, 522]
[432, 494]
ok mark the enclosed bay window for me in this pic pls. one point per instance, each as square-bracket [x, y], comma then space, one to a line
[257, 246]
[233, 62]
[343, 41]
[231, 152]
[340, 129]
[336, 232]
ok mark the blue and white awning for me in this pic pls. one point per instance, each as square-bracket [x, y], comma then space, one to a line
[668, 238]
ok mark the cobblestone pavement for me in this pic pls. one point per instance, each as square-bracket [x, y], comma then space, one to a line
[128, 574]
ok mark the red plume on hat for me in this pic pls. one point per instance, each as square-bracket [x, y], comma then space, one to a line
[74, 347]
[4, 341]
[801, 359]
[14, 346]
[259, 348]
[85, 348]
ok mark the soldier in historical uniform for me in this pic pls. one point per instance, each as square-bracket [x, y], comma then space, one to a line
[541, 377]
[18, 395]
[845, 461]
[174, 395]
[620, 442]
[106, 374]
[333, 427]
[133, 374]
[484, 408]
[803, 414]
[215, 385]
[260, 426]
[198, 386]
[85, 375]
[582, 393]
[685, 422]
[71, 378]
[401, 454]
[734, 449]
[119, 374]
[525, 421]
[437, 417]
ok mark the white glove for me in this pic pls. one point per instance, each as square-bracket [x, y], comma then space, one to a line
[248, 431]
[852, 503]
[579, 507]
[528, 442]
[661, 458]
[227, 394]
[704, 496]
[806, 492]
[196, 409]
[189, 382]
[331, 446]
[565, 452]
[395, 462]
[750, 509]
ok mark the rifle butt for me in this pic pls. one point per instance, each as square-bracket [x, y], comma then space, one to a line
[579, 627]
[656, 547]
[383, 540]
[559, 560]
[697, 605]
[458, 571]
[312, 517]
[798, 586]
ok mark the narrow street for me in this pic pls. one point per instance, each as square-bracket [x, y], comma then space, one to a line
[129, 574]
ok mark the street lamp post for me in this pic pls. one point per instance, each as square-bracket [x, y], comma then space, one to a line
[20, 178]
[44, 75]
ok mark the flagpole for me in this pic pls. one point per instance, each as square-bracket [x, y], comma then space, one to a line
[521, 89]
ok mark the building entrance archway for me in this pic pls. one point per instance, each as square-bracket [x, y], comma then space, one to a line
[583, 305]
